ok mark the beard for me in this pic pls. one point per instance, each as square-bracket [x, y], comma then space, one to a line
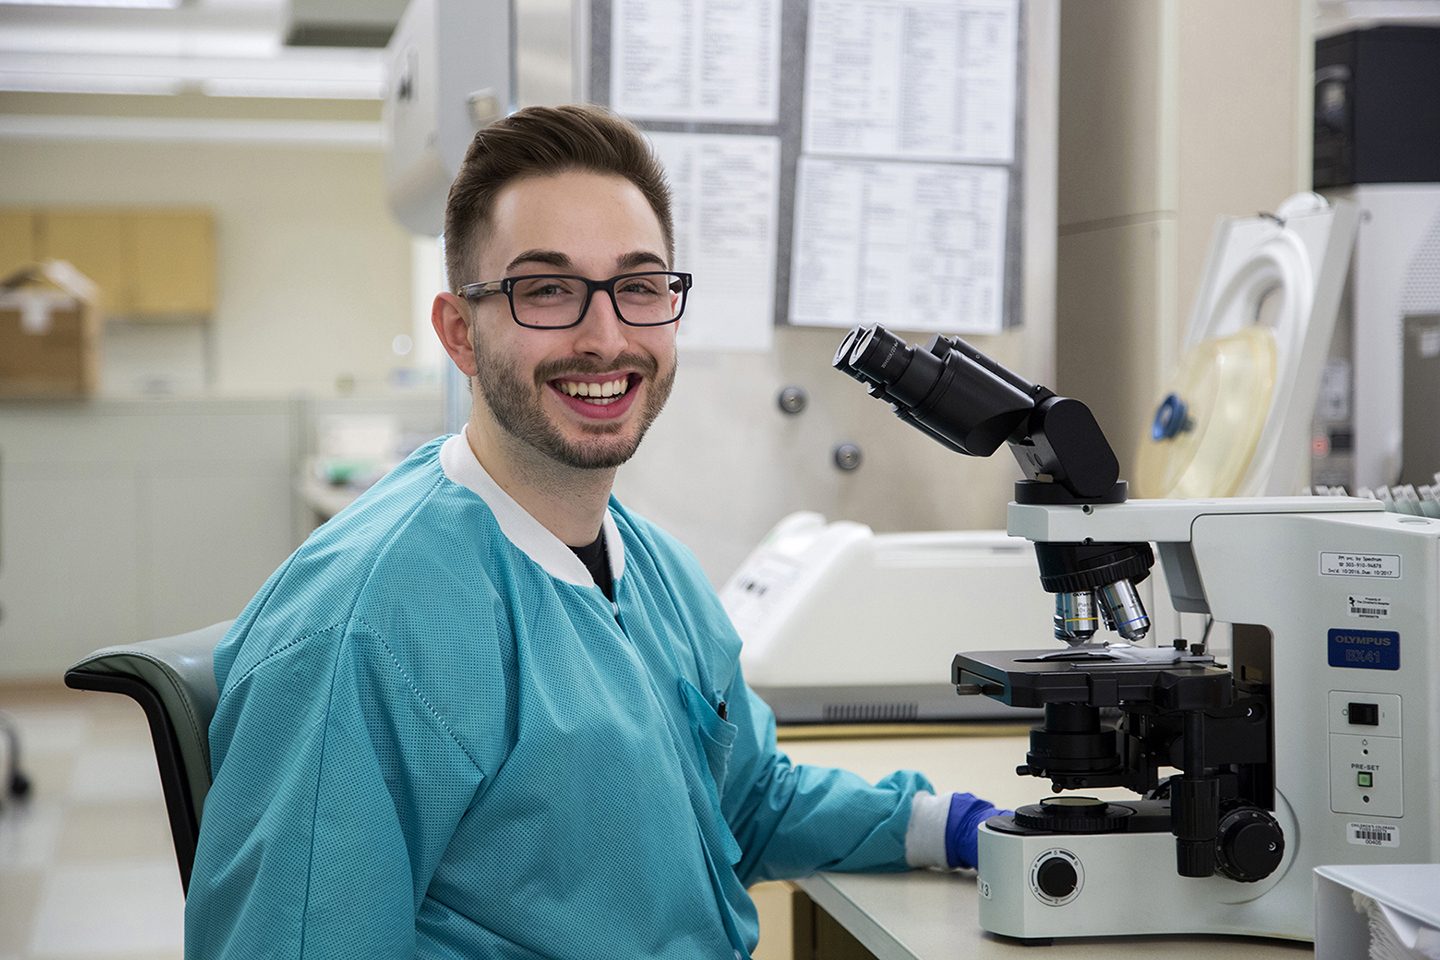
[517, 407]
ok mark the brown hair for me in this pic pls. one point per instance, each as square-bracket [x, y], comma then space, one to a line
[537, 141]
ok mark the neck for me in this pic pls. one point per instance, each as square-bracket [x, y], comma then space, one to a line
[568, 501]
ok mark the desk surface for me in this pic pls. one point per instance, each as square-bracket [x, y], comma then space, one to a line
[926, 915]
[932, 916]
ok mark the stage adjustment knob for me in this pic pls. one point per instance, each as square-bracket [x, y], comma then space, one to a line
[1249, 844]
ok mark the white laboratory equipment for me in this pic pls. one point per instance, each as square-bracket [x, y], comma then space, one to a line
[845, 625]
[1235, 419]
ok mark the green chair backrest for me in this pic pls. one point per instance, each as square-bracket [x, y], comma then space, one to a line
[173, 679]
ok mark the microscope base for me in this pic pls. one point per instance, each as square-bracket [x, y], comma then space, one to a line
[1045, 885]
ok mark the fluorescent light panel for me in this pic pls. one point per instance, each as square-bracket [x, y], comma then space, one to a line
[293, 89]
[80, 83]
[127, 4]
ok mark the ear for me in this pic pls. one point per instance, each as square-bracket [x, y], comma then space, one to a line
[450, 316]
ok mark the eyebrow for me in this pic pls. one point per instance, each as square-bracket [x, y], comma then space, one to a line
[554, 258]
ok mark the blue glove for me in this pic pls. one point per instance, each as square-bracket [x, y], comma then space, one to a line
[967, 812]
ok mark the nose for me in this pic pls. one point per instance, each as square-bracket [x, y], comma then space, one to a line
[601, 332]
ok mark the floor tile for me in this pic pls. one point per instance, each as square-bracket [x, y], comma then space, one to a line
[28, 834]
[94, 832]
[49, 776]
[19, 894]
[129, 908]
[118, 773]
[48, 728]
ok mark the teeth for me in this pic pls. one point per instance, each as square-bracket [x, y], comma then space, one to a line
[604, 392]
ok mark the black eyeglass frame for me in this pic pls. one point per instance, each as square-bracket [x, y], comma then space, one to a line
[490, 288]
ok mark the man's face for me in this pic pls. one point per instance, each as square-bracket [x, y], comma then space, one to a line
[590, 225]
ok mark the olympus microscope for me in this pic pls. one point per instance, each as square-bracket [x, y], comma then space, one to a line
[1318, 743]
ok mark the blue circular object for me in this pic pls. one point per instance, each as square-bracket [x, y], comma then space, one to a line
[1169, 418]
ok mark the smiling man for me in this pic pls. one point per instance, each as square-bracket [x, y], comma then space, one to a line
[487, 711]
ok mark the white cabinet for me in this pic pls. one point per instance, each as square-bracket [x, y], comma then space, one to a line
[126, 520]
[67, 569]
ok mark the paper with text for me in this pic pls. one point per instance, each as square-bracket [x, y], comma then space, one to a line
[919, 79]
[696, 60]
[915, 246]
[726, 208]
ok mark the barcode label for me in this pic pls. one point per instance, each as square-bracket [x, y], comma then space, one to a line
[1373, 834]
[1368, 607]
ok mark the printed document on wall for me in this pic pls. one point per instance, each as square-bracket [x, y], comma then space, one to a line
[916, 246]
[726, 206]
[918, 79]
[696, 60]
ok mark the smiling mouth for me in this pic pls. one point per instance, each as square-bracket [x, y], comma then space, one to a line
[600, 394]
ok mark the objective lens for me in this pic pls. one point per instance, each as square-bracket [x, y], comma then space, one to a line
[1075, 617]
[1122, 607]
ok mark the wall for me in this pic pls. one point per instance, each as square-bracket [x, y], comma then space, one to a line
[313, 276]
[722, 465]
[1172, 114]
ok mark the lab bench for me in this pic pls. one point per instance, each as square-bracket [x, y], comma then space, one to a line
[929, 915]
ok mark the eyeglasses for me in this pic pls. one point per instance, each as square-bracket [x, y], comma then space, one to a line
[554, 301]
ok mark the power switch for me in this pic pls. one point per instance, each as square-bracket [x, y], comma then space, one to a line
[1363, 714]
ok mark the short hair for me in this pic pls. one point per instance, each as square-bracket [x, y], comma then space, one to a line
[539, 141]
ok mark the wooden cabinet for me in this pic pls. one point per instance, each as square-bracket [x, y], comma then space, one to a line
[148, 264]
[173, 263]
[94, 243]
[17, 240]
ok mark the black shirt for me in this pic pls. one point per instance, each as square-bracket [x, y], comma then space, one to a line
[597, 561]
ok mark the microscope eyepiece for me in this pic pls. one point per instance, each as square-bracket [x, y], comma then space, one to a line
[842, 355]
[880, 355]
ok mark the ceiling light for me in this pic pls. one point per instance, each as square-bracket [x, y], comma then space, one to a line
[129, 4]
[81, 83]
[310, 89]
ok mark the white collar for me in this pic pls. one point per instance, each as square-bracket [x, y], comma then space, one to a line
[460, 465]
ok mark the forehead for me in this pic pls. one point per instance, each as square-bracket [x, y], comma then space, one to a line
[590, 217]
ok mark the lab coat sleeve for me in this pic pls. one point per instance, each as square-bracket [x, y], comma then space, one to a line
[337, 789]
[794, 820]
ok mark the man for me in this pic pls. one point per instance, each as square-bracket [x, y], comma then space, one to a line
[487, 711]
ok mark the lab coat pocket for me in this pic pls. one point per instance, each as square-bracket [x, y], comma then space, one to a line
[715, 735]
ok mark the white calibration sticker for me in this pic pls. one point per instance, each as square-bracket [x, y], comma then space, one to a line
[1373, 834]
[1368, 608]
[1385, 565]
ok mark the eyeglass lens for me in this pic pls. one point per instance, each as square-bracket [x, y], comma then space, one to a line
[556, 301]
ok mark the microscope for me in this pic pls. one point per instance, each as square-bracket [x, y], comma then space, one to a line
[1315, 744]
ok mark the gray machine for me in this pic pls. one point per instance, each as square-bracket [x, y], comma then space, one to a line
[1314, 744]
[1377, 121]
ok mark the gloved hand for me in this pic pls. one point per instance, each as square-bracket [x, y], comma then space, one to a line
[967, 812]
[942, 830]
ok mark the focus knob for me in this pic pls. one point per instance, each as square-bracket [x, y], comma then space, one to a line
[1056, 877]
[1249, 844]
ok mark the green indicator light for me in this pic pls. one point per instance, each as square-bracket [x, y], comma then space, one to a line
[1365, 779]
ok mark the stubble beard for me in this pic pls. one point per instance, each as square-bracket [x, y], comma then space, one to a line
[517, 407]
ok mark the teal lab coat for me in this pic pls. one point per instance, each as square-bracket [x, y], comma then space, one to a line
[437, 738]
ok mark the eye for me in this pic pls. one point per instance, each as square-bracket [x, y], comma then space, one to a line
[544, 288]
[642, 286]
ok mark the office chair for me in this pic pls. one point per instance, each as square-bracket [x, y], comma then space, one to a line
[13, 783]
[173, 680]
